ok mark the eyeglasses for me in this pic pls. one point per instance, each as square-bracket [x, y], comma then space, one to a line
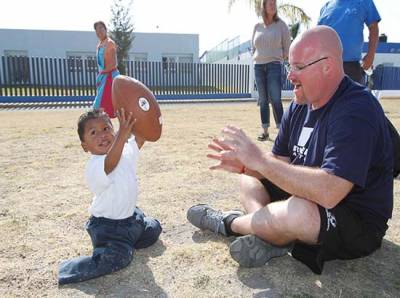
[290, 68]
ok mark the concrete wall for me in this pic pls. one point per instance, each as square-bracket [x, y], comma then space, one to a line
[160, 44]
[55, 43]
[387, 59]
[387, 53]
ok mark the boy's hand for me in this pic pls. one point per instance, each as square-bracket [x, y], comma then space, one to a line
[126, 122]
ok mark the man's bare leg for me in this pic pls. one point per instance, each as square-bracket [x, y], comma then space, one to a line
[270, 231]
[253, 195]
[282, 222]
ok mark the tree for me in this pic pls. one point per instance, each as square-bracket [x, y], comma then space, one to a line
[295, 14]
[121, 31]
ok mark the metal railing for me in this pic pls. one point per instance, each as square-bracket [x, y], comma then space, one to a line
[59, 77]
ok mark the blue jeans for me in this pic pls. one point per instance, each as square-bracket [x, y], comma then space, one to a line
[269, 85]
[114, 242]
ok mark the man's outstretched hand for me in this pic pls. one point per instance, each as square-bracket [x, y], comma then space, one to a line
[234, 151]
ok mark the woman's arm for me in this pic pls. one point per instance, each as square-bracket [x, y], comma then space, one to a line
[253, 49]
[110, 57]
[285, 41]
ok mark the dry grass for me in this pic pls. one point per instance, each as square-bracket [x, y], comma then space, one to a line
[43, 208]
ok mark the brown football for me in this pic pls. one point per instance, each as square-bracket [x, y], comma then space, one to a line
[135, 97]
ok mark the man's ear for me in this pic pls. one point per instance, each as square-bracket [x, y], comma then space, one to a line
[84, 146]
[328, 66]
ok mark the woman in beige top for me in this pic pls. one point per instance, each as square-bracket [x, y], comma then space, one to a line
[270, 44]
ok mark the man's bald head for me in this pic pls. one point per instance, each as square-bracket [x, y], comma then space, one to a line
[321, 40]
[316, 61]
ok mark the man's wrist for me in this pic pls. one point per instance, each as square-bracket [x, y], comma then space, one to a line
[243, 170]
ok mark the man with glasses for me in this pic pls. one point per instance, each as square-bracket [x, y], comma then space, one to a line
[326, 190]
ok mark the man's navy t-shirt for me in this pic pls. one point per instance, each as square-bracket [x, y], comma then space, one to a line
[349, 138]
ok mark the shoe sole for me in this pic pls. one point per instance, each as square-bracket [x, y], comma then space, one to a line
[250, 251]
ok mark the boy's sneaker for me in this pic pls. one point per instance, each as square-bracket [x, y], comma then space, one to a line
[251, 251]
[206, 218]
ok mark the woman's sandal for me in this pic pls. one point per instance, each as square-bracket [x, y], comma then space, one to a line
[263, 137]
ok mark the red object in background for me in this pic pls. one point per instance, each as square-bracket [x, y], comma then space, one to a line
[106, 103]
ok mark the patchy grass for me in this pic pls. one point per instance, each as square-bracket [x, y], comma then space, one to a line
[44, 201]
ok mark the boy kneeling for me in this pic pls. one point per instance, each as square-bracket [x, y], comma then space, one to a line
[116, 226]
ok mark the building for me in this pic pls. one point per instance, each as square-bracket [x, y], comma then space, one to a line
[48, 65]
[387, 54]
[165, 47]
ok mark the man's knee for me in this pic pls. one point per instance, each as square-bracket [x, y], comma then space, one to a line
[284, 221]
[252, 188]
[270, 223]
[247, 183]
[303, 219]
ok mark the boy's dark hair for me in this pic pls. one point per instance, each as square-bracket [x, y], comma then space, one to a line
[99, 23]
[90, 115]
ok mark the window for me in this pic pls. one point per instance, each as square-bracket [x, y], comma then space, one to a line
[188, 60]
[139, 64]
[17, 66]
[9, 53]
[181, 63]
[138, 57]
[79, 61]
[169, 63]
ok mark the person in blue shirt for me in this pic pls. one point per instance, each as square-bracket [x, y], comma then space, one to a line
[348, 17]
[106, 56]
[326, 190]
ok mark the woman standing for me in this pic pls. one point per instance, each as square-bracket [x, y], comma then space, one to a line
[106, 56]
[270, 44]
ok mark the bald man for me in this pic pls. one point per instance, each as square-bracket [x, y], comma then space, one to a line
[326, 190]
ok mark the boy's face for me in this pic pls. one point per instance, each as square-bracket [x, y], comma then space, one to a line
[98, 136]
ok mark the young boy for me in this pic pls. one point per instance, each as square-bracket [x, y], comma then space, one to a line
[116, 226]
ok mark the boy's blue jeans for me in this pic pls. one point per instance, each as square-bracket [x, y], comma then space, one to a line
[269, 86]
[114, 242]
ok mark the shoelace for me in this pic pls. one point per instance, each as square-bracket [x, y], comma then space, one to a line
[213, 220]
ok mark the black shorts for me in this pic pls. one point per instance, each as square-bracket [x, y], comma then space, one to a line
[343, 234]
[354, 70]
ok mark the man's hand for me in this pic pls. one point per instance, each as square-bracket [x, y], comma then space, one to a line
[233, 166]
[235, 151]
[367, 61]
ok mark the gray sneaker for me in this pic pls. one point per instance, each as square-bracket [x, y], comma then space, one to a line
[206, 218]
[251, 251]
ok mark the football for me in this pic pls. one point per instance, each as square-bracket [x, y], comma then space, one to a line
[135, 97]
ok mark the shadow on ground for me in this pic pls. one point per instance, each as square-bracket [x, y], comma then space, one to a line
[137, 280]
[372, 276]
[207, 236]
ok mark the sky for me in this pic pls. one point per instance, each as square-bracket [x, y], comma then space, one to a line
[211, 19]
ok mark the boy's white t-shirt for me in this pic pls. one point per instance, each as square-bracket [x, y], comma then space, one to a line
[115, 193]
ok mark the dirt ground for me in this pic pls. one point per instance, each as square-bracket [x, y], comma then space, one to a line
[44, 201]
